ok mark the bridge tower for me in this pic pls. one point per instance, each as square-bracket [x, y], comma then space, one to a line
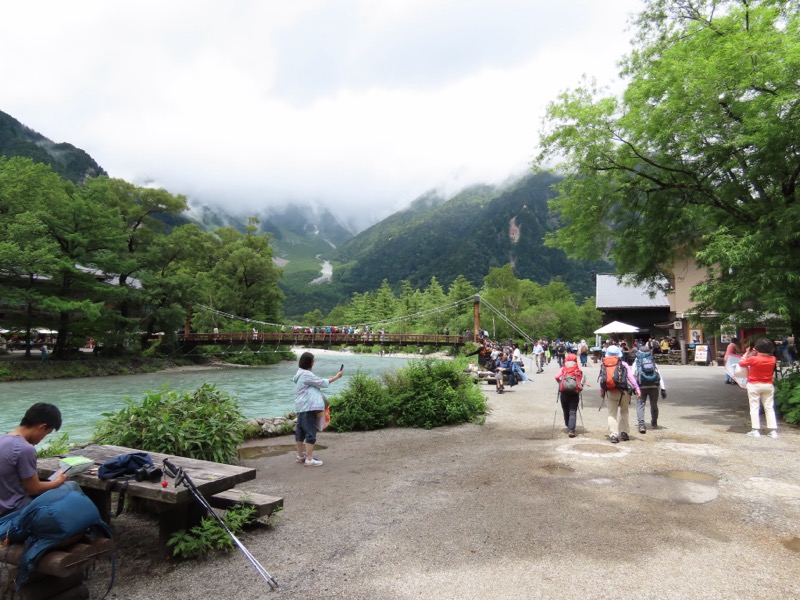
[476, 317]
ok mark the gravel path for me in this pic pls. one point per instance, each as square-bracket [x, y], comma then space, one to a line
[514, 510]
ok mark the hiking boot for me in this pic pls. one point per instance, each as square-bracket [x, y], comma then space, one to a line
[754, 433]
[300, 459]
[642, 429]
[653, 424]
[773, 434]
[313, 462]
[624, 436]
[572, 433]
[614, 439]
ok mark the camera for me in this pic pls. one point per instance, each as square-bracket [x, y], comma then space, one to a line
[148, 473]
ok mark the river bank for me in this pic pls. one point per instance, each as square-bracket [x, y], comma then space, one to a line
[15, 366]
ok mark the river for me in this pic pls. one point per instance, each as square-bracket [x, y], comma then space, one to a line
[260, 391]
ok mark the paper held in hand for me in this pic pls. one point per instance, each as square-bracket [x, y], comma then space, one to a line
[72, 465]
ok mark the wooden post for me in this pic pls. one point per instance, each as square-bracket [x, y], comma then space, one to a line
[476, 317]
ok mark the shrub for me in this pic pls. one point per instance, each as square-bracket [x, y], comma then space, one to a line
[56, 446]
[431, 393]
[361, 406]
[427, 393]
[209, 535]
[787, 398]
[205, 424]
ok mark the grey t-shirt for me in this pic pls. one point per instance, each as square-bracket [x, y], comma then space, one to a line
[17, 462]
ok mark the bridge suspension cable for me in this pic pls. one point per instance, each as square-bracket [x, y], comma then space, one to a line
[508, 321]
[417, 315]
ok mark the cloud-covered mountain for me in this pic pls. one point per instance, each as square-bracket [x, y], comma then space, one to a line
[65, 159]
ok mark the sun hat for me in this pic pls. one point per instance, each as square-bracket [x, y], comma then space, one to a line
[613, 351]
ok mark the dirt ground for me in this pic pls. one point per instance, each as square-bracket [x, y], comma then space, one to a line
[514, 509]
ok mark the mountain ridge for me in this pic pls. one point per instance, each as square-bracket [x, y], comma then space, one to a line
[479, 228]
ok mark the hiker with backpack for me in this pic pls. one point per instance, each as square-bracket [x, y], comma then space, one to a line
[616, 383]
[570, 380]
[651, 383]
[561, 351]
[583, 349]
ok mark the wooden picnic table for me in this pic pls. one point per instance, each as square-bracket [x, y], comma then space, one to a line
[176, 507]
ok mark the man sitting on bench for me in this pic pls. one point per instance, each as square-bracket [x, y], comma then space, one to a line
[19, 479]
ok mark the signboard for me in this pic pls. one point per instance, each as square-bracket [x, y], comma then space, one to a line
[677, 325]
[700, 353]
[727, 334]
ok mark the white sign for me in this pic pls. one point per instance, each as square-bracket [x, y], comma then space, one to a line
[700, 353]
[677, 325]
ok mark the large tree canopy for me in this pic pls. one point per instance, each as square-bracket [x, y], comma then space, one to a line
[699, 156]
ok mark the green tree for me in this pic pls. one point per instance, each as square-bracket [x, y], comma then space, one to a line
[385, 302]
[433, 300]
[27, 254]
[409, 304]
[462, 319]
[244, 276]
[699, 155]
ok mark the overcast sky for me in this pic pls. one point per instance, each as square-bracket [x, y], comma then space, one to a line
[360, 105]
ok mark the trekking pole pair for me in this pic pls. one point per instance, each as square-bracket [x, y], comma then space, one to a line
[555, 413]
[180, 477]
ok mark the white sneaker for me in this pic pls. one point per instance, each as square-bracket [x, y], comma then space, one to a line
[753, 433]
[313, 462]
[774, 434]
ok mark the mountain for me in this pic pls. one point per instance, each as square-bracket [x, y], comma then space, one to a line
[480, 228]
[65, 159]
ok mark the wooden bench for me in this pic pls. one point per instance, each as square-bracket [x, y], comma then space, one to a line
[264, 505]
[59, 573]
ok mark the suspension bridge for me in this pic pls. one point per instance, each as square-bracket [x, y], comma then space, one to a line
[277, 334]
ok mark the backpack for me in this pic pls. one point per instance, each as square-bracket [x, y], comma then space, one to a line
[124, 465]
[613, 375]
[646, 369]
[560, 349]
[572, 380]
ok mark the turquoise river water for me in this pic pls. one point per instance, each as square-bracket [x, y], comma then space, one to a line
[261, 391]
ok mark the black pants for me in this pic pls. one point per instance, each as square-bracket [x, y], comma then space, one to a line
[569, 404]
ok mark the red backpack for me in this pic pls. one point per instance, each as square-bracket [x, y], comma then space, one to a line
[572, 379]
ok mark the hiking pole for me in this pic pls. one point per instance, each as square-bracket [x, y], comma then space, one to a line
[180, 477]
[555, 412]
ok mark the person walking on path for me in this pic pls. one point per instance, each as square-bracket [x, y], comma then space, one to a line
[731, 350]
[561, 351]
[308, 401]
[760, 388]
[570, 380]
[618, 397]
[584, 353]
[538, 356]
[651, 383]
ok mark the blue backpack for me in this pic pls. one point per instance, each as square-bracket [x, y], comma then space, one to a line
[124, 465]
[647, 372]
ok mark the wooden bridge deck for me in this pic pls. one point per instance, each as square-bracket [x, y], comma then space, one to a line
[320, 339]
